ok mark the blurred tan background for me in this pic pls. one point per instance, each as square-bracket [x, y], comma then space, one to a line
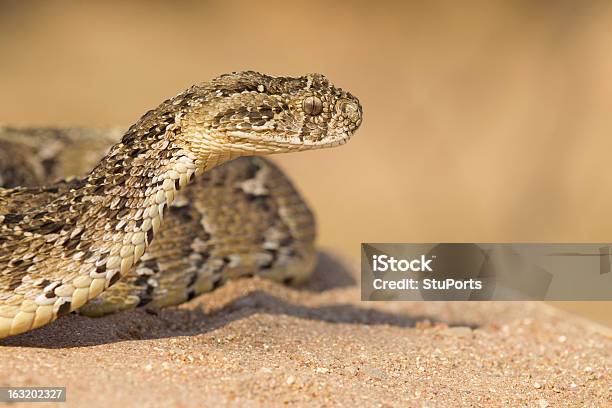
[485, 121]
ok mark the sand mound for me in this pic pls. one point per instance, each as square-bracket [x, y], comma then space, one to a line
[257, 343]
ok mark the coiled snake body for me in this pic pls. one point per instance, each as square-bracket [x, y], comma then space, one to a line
[96, 243]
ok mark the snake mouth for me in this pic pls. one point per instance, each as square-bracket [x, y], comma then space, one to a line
[286, 143]
[320, 144]
[329, 143]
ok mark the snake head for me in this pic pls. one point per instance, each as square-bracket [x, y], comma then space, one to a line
[252, 113]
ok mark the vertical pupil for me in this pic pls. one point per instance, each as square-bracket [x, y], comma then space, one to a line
[312, 105]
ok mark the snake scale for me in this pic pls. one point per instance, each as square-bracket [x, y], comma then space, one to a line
[178, 204]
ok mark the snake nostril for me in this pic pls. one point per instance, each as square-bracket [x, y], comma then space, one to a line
[348, 107]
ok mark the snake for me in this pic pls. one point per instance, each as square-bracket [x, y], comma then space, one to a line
[95, 221]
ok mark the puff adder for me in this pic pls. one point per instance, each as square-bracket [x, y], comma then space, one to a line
[166, 212]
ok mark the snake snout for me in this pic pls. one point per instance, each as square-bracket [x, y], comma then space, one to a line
[351, 109]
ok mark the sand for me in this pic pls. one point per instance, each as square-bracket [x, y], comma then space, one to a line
[257, 343]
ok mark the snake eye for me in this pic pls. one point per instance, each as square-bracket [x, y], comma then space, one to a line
[312, 105]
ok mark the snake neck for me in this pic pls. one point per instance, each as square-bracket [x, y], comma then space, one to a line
[118, 208]
[96, 229]
[129, 192]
